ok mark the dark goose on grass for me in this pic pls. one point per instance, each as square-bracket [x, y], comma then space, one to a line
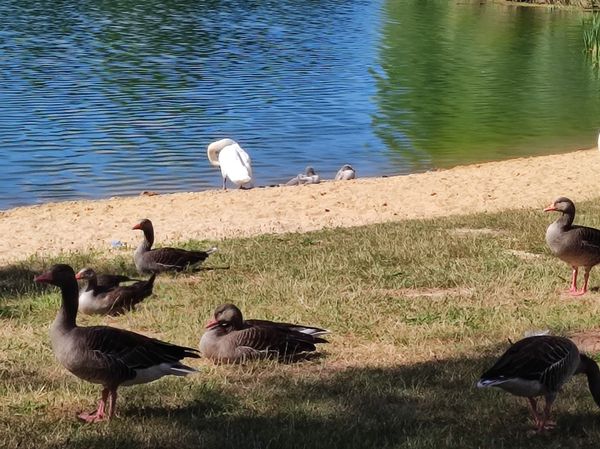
[96, 299]
[540, 366]
[112, 280]
[148, 260]
[106, 355]
[229, 338]
[579, 246]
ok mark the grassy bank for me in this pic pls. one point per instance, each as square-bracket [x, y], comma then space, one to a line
[417, 309]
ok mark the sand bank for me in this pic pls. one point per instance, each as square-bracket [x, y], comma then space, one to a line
[80, 225]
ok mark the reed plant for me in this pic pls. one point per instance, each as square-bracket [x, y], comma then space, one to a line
[591, 38]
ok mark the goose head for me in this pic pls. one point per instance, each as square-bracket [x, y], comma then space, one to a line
[226, 316]
[143, 225]
[561, 204]
[58, 275]
[85, 273]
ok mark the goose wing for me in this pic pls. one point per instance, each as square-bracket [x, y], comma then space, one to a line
[174, 258]
[549, 360]
[125, 298]
[116, 355]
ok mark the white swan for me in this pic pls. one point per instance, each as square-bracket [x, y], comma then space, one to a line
[234, 161]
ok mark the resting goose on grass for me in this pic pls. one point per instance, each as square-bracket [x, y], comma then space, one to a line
[229, 338]
[95, 299]
[148, 260]
[106, 355]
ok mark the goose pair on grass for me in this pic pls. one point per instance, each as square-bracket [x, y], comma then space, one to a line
[115, 357]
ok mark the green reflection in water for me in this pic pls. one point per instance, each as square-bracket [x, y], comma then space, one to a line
[463, 82]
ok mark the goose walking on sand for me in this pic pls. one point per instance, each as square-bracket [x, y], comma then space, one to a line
[106, 355]
[96, 299]
[229, 338]
[579, 246]
[539, 366]
[234, 162]
[148, 260]
[345, 173]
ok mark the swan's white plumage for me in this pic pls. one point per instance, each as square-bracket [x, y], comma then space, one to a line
[234, 162]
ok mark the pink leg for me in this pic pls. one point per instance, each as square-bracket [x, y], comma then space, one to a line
[573, 288]
[544, 423]
[112, 403]
[98, 415]
[534, 411]
[586, 278]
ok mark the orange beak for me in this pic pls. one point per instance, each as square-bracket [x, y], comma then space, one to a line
[550, 208]
[137, 226]
[211, 323]
[44, 277]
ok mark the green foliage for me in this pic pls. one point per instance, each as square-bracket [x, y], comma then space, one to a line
[591, 38]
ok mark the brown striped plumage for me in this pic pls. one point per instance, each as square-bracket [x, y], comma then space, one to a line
[96, 299]
[106, 355]
[148, 260]
[540, 366]
[579, 246]
[230, 339]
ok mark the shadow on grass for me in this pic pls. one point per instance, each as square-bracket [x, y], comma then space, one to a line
[427, 405]
[17, 280]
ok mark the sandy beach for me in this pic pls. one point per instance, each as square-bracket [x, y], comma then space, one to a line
[533, 182]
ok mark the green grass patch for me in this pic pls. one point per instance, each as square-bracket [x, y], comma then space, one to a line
[417, 309]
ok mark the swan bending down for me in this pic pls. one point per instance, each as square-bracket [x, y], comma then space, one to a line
[234, 161]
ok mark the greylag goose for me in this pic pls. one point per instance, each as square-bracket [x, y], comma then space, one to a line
[148, 260]
[95, 299]
[106, 355]
[111, 280]
[579, 246]
[229, 338]
[234, 162]
[540, 366]
[308, 177]
[345, 173]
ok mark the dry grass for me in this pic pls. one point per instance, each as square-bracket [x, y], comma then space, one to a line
[417, 309]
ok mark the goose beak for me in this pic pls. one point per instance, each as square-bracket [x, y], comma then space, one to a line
[78, 276]
[550, 208]
[211, 323]
[43, 278]
[137, 226]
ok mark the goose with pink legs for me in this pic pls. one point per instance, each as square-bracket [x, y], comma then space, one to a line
[107, 355]
[579, 246]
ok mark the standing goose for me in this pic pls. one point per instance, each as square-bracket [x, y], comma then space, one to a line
[229, 338]
[540, 366]
[345, 173]
[234, 161]
[106, 355]
[148, 260]
[579, 246]
[95, 299]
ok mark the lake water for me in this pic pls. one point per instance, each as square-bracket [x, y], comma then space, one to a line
[114, 97]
